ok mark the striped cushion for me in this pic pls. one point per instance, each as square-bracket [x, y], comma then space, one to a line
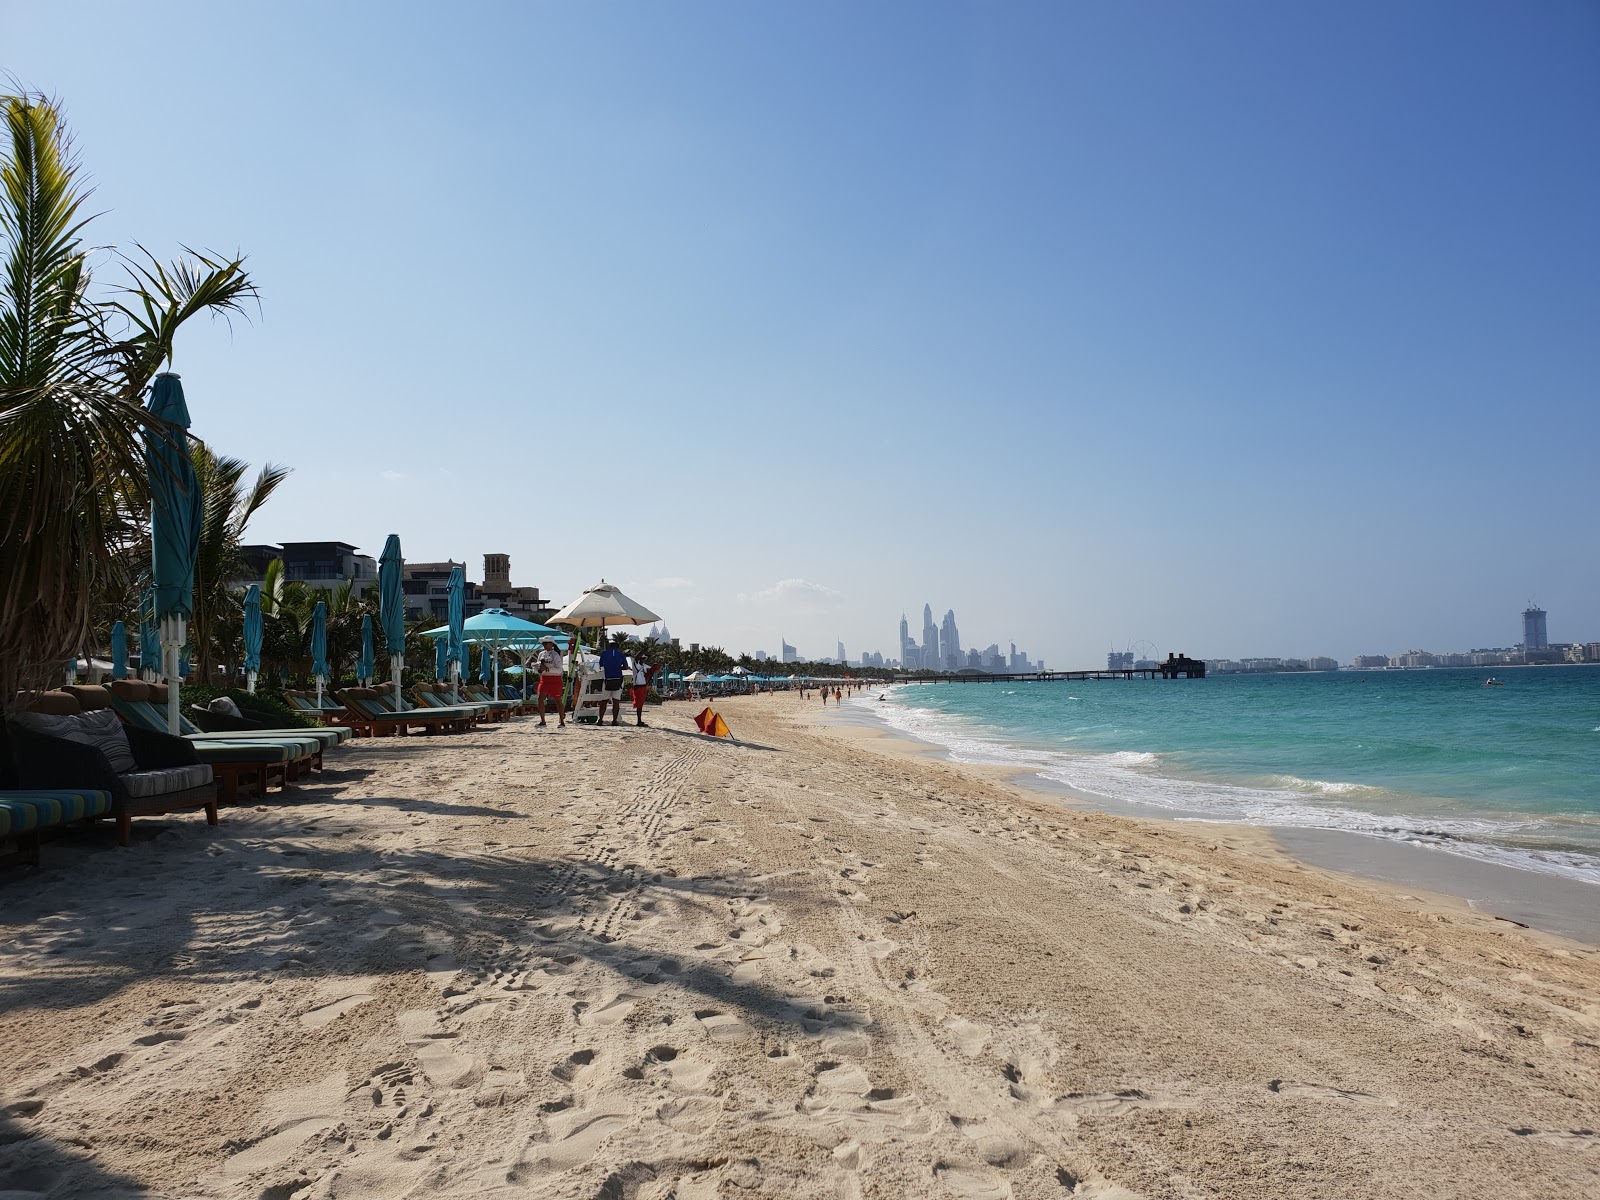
[99, 729]
[22, 812]
[144, 784]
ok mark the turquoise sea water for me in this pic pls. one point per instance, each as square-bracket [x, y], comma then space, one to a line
[1510, 774]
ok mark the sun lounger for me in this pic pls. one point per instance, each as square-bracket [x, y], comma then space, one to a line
[329, 712]
[435, 699]
[478, 694]
[256, 724]
[370, 712]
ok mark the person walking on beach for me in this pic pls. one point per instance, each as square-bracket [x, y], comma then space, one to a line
[550, 681]
[642, 673]
[838, 696]
[613, 662]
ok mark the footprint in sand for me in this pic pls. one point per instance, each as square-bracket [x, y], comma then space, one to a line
[1318, 1091]
[612, 1011]
[330, 1010]
[574, 1139]
[722, 1027]
[291, 1117]
[970, 1037]
[568, 1070]
[1561, 1137]
[1112, 1104]
[968, 1183]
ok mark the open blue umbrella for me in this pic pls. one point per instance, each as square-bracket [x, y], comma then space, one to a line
[252, 637]
[392, 610]
[456, 590]
[119, 651]
[319, 646]
[441, 659]
[365, 664]
[175, 517]
[497, 628]
[149, 639]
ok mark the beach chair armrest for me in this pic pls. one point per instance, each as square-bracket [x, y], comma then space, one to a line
[47, 762]
[157, 751]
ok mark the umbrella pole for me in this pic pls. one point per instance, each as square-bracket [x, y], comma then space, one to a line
[394, 664]
[172, 639]
[250, 682]
[319, 693]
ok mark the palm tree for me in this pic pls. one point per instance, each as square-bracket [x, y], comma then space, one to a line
[228, 506]
[73, 372]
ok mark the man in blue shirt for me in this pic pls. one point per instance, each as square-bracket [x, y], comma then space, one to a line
[613, 662]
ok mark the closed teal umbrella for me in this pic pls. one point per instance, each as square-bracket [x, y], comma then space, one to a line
[486, 664]
[392, 610]
[456, 590]
[252, 637]
[365, 664]
[175, 517]
[319, 646]
[119, 651]
[441, 659]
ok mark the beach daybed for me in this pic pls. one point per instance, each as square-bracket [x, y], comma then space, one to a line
[58, 748]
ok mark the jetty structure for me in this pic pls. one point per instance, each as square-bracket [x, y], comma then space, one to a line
[1174, 666]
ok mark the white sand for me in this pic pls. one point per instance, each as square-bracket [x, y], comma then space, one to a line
[616, 963]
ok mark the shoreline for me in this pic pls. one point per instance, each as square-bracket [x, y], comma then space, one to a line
[1561, 907]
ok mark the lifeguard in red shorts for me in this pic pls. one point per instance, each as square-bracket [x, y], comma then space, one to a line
[551, 684]
[643, 672]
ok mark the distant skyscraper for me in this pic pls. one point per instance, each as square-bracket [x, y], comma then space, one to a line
[1534, 636]
[842, 658]
[931, 660]
[905, 638]
[789, 653]
[950, 641]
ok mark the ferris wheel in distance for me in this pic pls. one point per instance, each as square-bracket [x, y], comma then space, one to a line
[1145, 654]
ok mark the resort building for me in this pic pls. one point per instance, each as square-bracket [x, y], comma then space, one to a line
[320, 564]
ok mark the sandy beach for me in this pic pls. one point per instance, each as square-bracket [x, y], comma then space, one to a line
[620, 963]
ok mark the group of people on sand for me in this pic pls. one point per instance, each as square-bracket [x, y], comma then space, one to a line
[618, 668]
[838, 692]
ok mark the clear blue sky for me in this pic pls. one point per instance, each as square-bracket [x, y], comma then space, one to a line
[1241, 328]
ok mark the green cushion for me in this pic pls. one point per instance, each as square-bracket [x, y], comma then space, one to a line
[248, 752]
[300, 739]
[23, 812]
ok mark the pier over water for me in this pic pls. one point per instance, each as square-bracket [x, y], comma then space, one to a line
[1176, 666]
